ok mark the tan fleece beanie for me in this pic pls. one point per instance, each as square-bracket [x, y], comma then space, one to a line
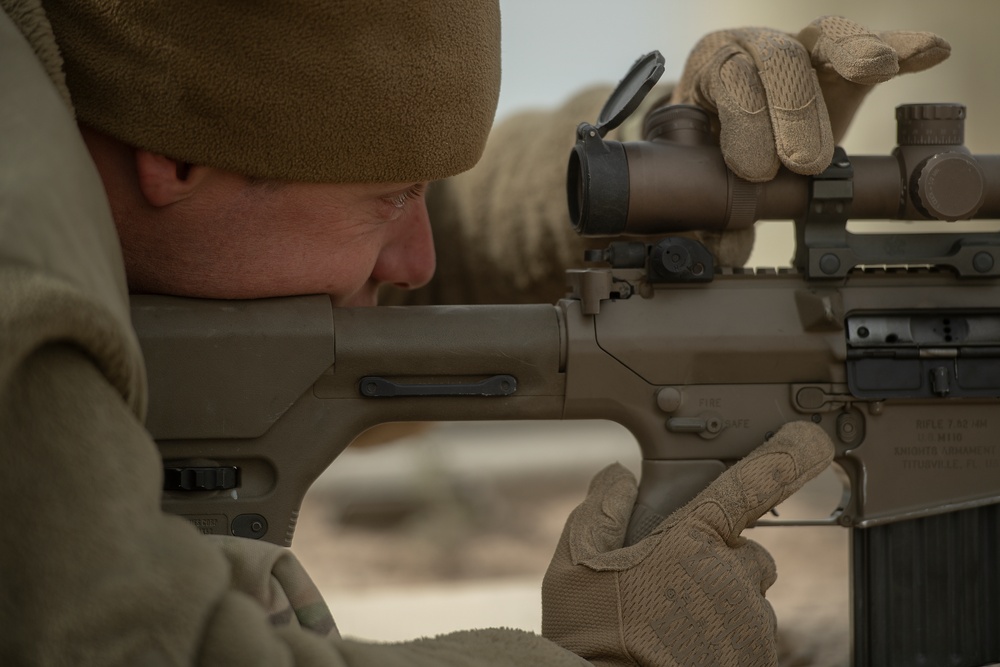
[296, 90]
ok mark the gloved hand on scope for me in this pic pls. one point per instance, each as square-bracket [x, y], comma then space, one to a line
[690, 593]
[787, 100]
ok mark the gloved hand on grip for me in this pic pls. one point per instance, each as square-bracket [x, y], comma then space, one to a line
[690, 593]
[787, 100]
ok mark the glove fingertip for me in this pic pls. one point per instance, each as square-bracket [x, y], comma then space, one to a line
[756, 169]
[612, 476]
[749, 151]
[597, 526]
[805, 140]
[867, 69]
[808, 444]
[926, 59]
[610, 498]
[850, 49]
[917, 51]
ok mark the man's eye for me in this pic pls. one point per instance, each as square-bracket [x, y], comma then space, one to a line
[399, 200]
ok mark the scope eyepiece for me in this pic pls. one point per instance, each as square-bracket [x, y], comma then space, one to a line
[597, 185]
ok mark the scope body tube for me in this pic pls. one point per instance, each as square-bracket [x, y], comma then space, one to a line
[677, 180]
[675, 188]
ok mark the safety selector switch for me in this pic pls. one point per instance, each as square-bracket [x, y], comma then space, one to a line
[706, 425]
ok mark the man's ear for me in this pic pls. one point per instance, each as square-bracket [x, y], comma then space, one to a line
[164, 181]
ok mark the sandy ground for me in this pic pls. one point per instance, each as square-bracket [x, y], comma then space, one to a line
[453, 528]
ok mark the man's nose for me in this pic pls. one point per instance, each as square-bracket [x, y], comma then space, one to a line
[407, 258]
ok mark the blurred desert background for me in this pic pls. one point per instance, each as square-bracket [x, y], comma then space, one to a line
[452, 526]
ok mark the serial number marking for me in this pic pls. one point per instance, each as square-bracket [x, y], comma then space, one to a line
[945, 453]
[940, 464]
[947, 430]
[950, 450]
[948, 424]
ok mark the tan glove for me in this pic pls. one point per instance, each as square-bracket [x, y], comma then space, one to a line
[787, 100]
[692, 592]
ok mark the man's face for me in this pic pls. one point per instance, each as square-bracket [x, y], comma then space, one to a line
[239, 239]
[210, 233]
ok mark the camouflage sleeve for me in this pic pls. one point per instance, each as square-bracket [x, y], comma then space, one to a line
[502, 229]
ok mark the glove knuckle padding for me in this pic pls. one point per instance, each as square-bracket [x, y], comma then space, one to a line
[739, 84]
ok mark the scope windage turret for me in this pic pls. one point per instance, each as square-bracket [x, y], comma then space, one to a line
[676, 178]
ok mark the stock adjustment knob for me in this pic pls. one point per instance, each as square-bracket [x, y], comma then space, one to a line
[950, 186]
[200, 478]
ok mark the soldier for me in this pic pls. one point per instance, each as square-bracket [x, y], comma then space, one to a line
[236, 151]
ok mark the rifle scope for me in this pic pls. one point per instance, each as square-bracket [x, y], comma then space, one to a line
[676, 178]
